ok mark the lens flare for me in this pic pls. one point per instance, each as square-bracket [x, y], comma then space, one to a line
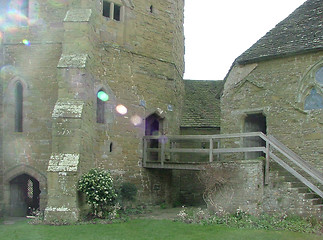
[16, 16]
[7, 71]
[103, 96]
[26, 42]
[121, 109]
[136, 120]
[2, 21]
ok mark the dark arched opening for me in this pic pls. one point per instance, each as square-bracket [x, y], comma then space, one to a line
[153, 127]
[24, 195]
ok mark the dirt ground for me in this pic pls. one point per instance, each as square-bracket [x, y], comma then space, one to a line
[159, 213]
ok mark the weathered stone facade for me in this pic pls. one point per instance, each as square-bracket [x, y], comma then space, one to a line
[71, 53]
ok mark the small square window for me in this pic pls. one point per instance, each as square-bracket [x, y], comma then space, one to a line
[106, 9]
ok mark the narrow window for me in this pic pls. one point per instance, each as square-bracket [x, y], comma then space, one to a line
[111, 145]
[25, 8]
[106, 9]
[100, 106]
[117, 12]
[18, 107]
[319, 76]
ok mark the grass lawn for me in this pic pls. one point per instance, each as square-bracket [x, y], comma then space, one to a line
[141, 229]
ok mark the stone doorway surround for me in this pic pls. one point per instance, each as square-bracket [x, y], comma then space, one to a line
[15, 178]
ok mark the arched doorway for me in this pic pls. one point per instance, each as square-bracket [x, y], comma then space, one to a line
[255, 123]
[24, 195]
[153, 127]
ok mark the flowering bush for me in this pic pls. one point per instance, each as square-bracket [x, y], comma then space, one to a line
[193, 216]
[99, 190]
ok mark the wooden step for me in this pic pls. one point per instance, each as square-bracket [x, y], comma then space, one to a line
[298, 184]
[290, 178]
[303, 189]
[317, 201]
[310, 195]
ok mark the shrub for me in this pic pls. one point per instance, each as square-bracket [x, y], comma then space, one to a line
[128, 191]
[99, 190]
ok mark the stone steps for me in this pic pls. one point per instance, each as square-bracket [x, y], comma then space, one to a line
[313, 204]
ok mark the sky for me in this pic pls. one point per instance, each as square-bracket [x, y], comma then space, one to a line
[218, 31]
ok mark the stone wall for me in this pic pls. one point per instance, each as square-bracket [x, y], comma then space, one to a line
[243, 190]
[189, 187]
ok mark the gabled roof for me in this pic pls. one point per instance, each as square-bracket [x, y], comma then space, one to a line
[201, 106]
[301, 31]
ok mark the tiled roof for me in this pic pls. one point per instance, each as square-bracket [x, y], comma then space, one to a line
[201, 103]
[300, 32]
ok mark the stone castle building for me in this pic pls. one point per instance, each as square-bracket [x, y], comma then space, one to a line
[82, 82]
[56, 56]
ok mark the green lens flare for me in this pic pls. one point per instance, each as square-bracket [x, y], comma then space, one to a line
[103, 96]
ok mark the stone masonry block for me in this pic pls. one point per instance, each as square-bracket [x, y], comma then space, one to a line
[68, 108]
[72, 61]
[63, 162]
[78, 15]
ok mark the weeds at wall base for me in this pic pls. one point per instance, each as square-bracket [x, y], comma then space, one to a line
[243, 220]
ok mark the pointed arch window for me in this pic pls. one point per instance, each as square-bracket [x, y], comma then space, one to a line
[100, 108]
[18, 107]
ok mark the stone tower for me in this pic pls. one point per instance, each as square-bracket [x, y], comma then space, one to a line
[56, 56]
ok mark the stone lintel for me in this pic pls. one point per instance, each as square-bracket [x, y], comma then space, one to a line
[78, 15]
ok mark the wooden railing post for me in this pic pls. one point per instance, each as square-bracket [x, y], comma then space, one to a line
[218, 147]
[145, 153]
[211, 150]
[267, 163]
[162, 150]
[172, 145]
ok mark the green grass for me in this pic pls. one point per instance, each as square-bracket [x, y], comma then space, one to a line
[141, 229]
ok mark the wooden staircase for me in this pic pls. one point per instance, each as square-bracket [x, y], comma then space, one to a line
[300, 178]
[309, 203]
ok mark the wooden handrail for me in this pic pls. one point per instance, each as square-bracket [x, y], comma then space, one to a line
[309, 169]
[271, 143]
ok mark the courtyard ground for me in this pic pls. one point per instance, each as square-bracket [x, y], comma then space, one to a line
[156, 224]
